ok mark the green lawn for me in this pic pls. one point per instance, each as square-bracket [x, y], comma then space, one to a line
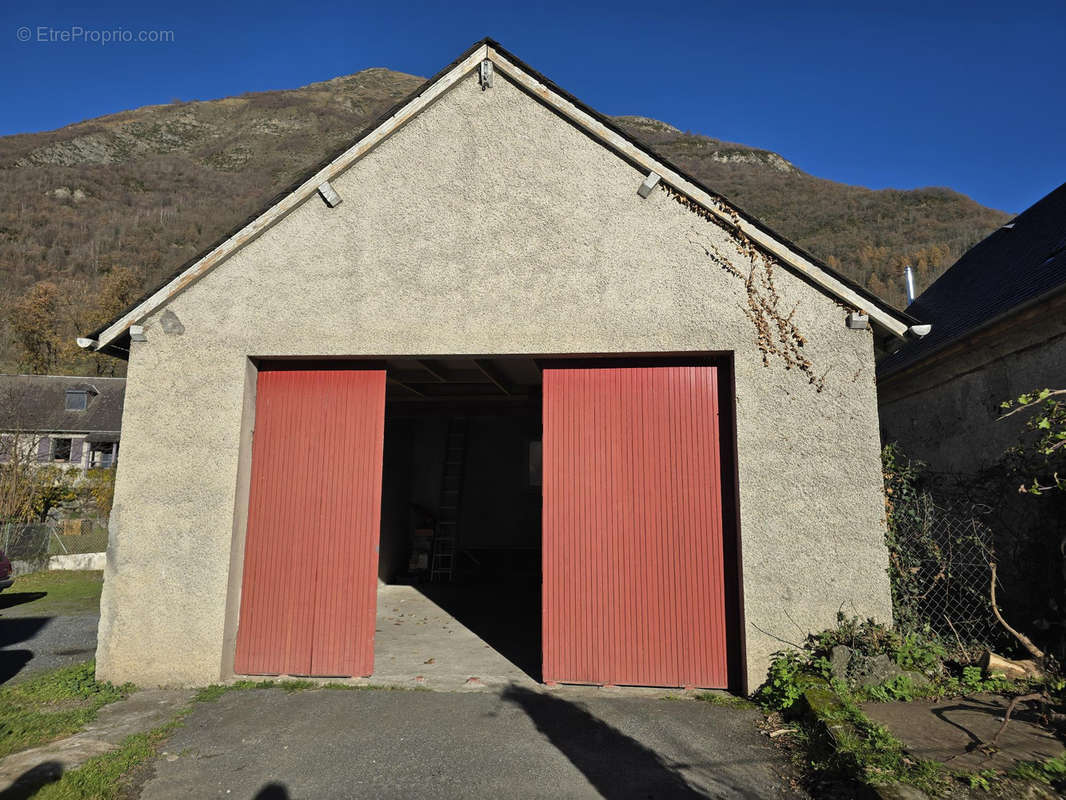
[52, 705]
[49, 594]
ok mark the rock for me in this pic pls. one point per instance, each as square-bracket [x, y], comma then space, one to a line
[879, 669]
[899, 791]
[839, 659]
[882, 669]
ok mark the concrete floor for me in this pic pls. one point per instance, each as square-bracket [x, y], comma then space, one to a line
[456, 637]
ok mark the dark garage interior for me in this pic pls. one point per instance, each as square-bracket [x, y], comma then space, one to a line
[461, 494]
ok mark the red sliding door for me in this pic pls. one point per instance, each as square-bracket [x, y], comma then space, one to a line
[308, 594]
[634, 575]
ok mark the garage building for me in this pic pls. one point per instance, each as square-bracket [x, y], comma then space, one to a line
[499, 351]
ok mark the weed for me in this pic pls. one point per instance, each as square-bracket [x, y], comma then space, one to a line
[721, 699]
[867, 752]
[899, 688]
[782, 689]
[980, 780]
[209, 694]
[1052, 773]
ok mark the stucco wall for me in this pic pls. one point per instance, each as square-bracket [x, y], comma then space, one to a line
[486, 225]
[946, 413]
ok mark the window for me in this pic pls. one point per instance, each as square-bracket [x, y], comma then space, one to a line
[101, 455]
[77, 400]
[61, 449]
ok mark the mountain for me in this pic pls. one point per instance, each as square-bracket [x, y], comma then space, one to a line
[95, 213]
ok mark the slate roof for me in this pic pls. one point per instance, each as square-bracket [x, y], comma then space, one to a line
[1020, 262]
[38, 403]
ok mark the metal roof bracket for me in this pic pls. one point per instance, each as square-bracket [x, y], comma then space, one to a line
[329, 194]
[485, 74]
[650, 183]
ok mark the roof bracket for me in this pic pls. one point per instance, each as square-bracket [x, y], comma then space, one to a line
[329, 194]
[858, 321]
[649, 183]
[484, 74]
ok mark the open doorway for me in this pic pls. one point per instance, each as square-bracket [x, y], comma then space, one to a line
[461, 511]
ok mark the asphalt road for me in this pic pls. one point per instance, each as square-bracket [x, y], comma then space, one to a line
[271, 745]
[34, 637]
[30, 644]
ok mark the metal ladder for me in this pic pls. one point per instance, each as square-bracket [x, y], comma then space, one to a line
[442, 567]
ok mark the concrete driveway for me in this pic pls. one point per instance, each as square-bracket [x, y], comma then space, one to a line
[517, 742]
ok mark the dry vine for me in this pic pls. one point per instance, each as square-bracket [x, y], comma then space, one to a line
[776, 333]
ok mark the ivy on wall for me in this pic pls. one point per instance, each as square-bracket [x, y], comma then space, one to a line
[776, 333]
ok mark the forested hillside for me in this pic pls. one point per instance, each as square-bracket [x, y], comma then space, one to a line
[95, 213]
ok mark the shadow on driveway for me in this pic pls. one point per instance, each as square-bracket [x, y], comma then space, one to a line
[13, 631]
[12, 599]
[27, 784]
[272, 791]
[32, 644]
[616, 764]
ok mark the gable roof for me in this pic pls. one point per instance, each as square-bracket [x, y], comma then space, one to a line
[1021, 262]
[112, 336]
[37, 403]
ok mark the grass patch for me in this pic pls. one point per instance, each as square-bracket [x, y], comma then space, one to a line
[209, 694]
[52, 705]
[1051, 773]
[721, 699]
[104, 777]
[867, 752]
[61, 592]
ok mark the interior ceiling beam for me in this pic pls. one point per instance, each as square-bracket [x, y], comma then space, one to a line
[436, 373]
[403, 385]
[490, 372]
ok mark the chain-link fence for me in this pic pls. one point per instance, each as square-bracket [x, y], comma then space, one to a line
[35, 541]
[941, 554]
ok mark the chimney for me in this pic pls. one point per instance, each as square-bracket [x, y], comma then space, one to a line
[908, 275]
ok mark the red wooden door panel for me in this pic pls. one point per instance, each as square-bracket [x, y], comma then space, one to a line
[308, 593]
[634, 574]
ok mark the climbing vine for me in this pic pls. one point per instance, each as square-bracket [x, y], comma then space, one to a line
[776, 334]
[1041, 455]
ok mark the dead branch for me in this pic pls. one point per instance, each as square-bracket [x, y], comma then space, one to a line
[958, 639]
[1027, 643]
[1010, 710]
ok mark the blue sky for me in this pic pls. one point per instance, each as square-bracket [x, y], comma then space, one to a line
[970, 95]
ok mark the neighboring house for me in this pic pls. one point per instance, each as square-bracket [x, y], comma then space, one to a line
[999, 330]
[60, 420]
[493, 269]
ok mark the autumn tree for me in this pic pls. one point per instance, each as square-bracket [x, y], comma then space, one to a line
[37, 327]
[118, 290]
